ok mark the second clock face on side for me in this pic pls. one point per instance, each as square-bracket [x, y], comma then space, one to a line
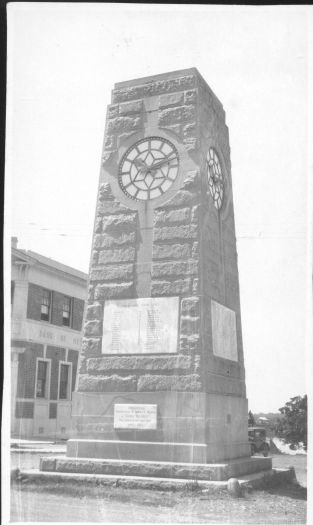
[215, 178]
[148, 168]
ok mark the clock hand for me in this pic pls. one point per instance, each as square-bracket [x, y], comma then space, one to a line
[143, 168]
[161, 162]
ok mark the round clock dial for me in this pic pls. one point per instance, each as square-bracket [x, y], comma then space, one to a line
[148, 168]
[215, 178]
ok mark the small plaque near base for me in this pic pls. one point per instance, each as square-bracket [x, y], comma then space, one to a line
[135, 417]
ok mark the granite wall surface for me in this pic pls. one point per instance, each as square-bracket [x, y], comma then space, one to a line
[193, 246]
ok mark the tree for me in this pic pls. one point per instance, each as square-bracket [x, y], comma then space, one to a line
[251, 420]
[292, 425]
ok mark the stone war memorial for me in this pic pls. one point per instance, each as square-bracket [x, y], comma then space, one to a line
[161, 386]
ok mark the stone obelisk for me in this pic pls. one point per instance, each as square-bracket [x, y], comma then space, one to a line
[162, 375]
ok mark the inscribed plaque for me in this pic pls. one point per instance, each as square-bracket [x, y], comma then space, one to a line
[140, 326]
[224, 331]
[137, 417]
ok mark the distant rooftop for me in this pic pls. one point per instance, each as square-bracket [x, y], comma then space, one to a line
[47, 261]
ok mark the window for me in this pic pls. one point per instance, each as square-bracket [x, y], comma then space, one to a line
[42, 375]
[45, 305]
[64, 384]
[66, 311]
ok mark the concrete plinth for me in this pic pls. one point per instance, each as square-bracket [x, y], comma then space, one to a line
[194, 471]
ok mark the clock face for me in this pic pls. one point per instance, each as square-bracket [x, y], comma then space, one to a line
[215, 178]
[148, 168]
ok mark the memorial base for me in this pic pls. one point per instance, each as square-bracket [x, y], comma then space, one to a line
[155, 451]
[157, 469]
[187, 427]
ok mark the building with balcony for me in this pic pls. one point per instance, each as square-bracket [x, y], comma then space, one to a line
[47, 307]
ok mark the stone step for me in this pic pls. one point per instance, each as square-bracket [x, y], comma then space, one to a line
[191, 471]
[136, 482]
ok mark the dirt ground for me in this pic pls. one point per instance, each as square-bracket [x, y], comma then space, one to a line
[283, 505]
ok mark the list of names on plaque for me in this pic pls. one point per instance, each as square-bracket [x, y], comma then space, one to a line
[144, 325]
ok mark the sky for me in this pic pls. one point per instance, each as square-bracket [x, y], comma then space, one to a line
[63, 61]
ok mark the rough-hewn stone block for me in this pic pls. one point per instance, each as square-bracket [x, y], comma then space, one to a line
[124, 124]
[174, 115]
[81, 369]
[113, 383]
[197, 363]
[192, 181]
[107, 155]
[195, 250]
[191, 144]
[109, 241]
[189, 130]
[119, 224]
[173, 128]
[112, 110]
[151, 383]
[94, 311]
[185, 231]
[131, 107]
[112, 272]
[190, 306]
[110, 207]
[173, 99]
[178, 287]
[189, 343]
[98, 225]
[181, 198]
[191, 96]
[195, 214]
[171, 251]
[207, 93]
[90, 294]
[189, 325]
[101, 364]
[114, 290]
[105, 192]
[91, 346]
[195, 286]
[110, 141]
[168, 268]
[180, 215]
[92, 328]
[94, 257]
[117, 255]
[149, 89]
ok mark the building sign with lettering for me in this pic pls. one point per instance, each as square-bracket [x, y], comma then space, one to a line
[224, 331]
[138, 326]
[136, 417]
[29, 330]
